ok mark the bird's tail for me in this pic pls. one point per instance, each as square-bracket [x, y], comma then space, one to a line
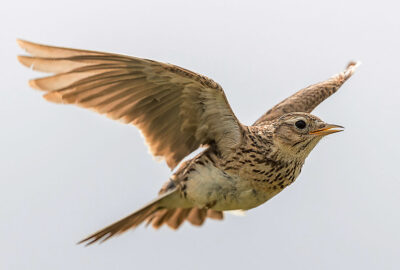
[156, 213]
[175, 217]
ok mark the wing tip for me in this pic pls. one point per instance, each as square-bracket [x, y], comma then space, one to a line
[54, 97]
[33, 84]
[351, 68]
[20, 42]
[24, 44]
[24, 60]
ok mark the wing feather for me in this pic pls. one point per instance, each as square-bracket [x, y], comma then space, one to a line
[308, 98]
[176, 109]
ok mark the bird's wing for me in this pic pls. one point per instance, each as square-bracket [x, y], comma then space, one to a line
[177, 110]
[308, 98]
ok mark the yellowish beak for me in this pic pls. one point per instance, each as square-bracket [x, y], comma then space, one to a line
[326, 130]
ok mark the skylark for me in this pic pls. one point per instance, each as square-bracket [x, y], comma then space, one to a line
[178, 111]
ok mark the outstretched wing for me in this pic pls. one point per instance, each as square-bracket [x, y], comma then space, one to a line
[308, 98]
[177, 110]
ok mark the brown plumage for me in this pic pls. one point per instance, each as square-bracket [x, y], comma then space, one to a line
[178, 111]
[310, 97]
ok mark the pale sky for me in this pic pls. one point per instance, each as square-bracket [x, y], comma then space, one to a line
[66, 172]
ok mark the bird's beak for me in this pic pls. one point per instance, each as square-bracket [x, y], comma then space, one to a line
[326, 130]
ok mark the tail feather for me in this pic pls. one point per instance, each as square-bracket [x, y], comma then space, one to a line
[156, 214]
[214, 214]
[178, 218]
[174, 218]
[131, 221]
[197, 216]
[162, 217]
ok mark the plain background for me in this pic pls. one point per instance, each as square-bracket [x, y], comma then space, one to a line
[66, 172]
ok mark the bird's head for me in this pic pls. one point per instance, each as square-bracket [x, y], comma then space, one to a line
[296, 134]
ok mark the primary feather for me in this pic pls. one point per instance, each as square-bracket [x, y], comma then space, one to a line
[177, 110]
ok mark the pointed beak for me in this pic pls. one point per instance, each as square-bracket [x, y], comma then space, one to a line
[326, 130]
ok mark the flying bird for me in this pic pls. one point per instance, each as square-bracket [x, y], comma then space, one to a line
[178, 111]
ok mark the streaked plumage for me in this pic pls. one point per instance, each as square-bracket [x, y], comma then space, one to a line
[178, 111]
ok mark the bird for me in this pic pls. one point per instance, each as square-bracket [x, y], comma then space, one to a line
[179, 111]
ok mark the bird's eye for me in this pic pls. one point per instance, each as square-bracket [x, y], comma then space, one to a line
[300, 124]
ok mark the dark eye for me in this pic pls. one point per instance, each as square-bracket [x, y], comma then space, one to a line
[300, 124]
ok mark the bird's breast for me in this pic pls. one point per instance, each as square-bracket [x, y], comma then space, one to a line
[244, 180]
[211, 187]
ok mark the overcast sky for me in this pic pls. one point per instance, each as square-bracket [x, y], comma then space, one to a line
[66, 172]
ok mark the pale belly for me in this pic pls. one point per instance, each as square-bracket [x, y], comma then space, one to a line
[210, 187]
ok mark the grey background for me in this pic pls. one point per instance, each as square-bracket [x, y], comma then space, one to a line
[66, 172]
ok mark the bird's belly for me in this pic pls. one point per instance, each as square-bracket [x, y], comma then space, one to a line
[210, 187]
